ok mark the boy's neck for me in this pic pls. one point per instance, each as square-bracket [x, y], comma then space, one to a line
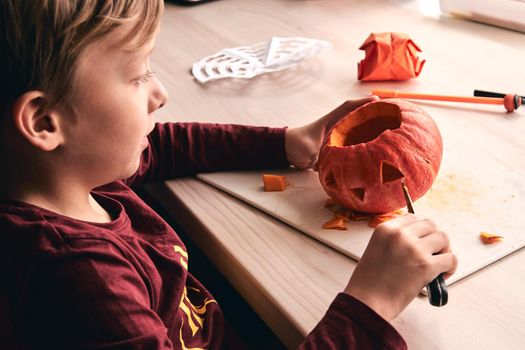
[54, 191]
[80, 206]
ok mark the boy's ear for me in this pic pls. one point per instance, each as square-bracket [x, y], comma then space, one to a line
[37, 125]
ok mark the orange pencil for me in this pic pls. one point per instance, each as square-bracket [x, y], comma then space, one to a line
[509, 101]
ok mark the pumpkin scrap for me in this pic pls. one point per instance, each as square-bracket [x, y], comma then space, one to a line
[335, 224]
[361, 216]
[379, 219]
[343, 216]
[274, 182]
[489, 238]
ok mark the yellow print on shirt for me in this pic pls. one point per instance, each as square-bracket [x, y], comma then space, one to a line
[192, 312]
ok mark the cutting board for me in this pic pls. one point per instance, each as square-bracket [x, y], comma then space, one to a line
[463, 201]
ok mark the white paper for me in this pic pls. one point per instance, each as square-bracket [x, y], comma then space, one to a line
[248, 61]
[502, 13]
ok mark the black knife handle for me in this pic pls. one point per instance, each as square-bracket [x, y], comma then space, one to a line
[437, 291]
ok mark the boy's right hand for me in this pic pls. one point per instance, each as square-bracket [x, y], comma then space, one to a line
[398, 262]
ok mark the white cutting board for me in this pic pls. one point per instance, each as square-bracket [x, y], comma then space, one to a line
[463, 202]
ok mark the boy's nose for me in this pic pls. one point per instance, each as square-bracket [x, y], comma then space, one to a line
[158, 98]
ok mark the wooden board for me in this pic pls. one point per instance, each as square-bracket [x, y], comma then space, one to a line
[463, 202]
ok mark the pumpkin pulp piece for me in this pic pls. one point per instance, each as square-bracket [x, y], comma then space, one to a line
[379, 219]
[342, 216]
[335, 224]
[489, 238]
[274, 182]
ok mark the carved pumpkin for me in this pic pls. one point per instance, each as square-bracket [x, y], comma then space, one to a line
[369, 152]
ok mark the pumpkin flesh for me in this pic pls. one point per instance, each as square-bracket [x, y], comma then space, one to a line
[273, 183]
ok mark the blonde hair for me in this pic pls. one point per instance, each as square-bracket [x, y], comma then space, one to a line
[41, 40]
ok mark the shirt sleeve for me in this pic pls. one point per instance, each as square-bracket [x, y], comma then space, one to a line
[92, 299]
[184, 149]
[351, 324]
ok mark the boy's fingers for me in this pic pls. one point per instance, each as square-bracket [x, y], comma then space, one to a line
[435, 242]
[315, 166]
[350, 105]
[421, 228]
[397, 223]
[445, 263]
[329, 120]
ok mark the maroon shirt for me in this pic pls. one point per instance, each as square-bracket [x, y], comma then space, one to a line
[71, 284]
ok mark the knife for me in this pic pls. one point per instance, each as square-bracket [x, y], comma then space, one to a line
[436, 289]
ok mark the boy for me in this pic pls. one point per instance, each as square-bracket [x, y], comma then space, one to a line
[85, 263]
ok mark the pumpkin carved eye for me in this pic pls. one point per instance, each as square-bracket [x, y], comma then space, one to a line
[390, 173]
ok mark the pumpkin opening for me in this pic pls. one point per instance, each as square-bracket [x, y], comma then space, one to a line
[367, 125]
[359, 193]
[390, 173]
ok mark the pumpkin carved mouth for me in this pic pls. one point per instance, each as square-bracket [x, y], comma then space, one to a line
[359, 193]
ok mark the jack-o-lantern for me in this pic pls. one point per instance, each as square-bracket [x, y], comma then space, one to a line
[370, 151]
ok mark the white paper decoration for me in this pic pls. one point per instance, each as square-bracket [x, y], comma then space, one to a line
[248, 61]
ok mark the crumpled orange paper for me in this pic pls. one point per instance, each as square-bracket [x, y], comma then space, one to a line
[389, 56]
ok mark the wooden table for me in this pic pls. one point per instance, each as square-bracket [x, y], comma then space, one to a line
[288, 278]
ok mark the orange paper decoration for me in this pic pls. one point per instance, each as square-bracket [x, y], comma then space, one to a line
[389, 56]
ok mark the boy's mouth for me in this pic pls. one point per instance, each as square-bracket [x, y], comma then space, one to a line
[145, 140]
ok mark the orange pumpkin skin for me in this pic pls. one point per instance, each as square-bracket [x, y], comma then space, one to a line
[370, 151]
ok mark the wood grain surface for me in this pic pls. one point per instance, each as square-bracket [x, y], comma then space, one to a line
[288, 277]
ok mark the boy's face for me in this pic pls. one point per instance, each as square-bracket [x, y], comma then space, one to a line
[115, 95]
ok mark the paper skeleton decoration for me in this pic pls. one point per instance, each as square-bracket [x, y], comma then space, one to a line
[248, 61]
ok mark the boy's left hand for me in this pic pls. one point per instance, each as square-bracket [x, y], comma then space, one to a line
[303, 143]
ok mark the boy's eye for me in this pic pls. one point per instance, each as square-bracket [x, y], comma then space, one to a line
[146, 77]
